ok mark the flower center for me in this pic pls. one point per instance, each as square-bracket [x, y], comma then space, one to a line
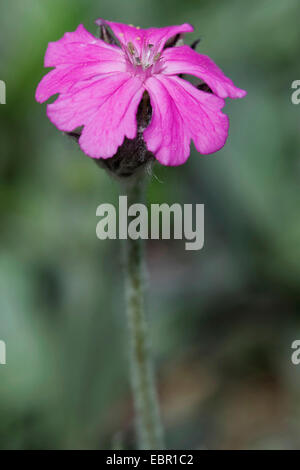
[146, 61]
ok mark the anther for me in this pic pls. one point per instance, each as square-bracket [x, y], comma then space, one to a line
[131, 48]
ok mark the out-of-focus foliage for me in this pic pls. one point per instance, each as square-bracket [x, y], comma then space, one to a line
[223, 319]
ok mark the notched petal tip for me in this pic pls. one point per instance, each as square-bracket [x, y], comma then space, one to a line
[189, 28]
[240, 93]
[39, 95]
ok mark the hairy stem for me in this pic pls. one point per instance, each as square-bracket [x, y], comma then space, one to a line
[149, 429]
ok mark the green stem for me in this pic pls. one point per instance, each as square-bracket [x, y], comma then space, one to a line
[149, 427]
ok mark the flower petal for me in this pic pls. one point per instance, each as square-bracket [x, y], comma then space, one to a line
[161, 35]
[77, 56]
[183, 59]
[137, 36]
[181, 112]
[127, 33]
[62, 79]
[106, 107]
[80, 47]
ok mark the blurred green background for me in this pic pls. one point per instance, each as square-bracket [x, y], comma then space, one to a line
[222, 319]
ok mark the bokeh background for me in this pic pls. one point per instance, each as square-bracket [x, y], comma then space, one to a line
[222, 319]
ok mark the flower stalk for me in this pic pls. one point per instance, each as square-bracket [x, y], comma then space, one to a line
[148, 423]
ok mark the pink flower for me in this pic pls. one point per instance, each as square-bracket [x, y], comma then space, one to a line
[101, 85]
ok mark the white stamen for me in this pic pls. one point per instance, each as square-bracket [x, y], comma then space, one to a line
[146, 58]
